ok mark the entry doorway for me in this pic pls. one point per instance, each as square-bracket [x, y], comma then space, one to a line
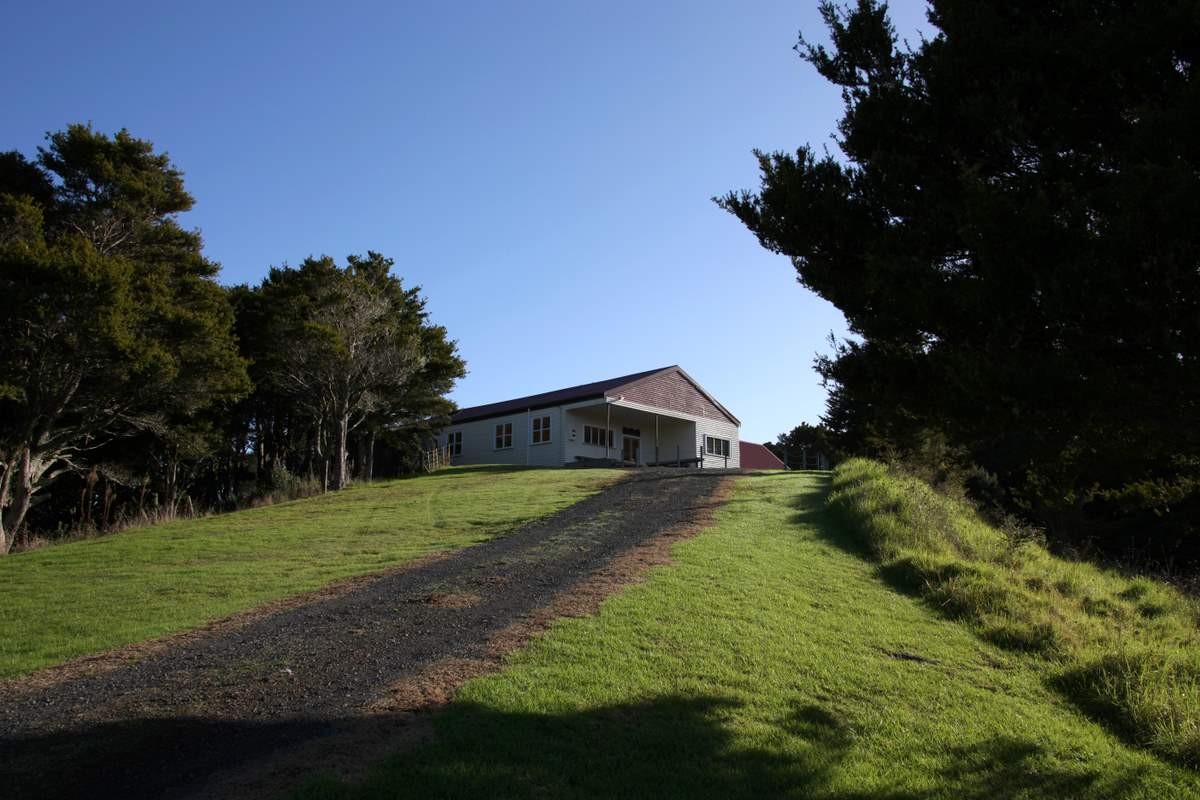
[630, 448]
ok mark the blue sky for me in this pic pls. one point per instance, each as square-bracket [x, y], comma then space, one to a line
[543, 170]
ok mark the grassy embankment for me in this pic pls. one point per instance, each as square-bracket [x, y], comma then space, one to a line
[770, 660]
[88, 596]
[1125, 650]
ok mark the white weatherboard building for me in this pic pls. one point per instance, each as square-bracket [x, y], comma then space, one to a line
[658, 417]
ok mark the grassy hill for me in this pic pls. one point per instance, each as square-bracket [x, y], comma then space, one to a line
[776, 658]
[1127, 650]
[88, 596]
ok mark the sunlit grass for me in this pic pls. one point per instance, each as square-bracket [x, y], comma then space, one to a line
[770, 660]
[89, 596]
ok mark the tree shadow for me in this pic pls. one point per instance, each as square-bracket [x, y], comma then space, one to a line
[683, 747]
[1006, 768]
[665, 747]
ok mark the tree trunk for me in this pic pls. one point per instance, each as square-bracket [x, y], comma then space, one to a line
[171, 481]
[18, 492]
[339, 451]
[370, 460]
[5, 483]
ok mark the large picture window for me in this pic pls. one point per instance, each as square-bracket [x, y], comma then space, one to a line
[595, 436]
[716, 447]
[503, 435]
[541, 430]
[454, 443]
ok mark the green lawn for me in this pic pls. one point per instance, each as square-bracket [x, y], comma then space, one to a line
[770, 660]
[89, 596]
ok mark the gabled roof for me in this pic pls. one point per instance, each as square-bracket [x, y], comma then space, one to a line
[756, 456]
[547, 399]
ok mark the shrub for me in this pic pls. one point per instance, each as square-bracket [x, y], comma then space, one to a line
[283, 485]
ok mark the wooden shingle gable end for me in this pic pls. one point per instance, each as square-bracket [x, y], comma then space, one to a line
[674, 390]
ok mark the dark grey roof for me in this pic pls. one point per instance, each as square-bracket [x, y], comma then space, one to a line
[547, 399]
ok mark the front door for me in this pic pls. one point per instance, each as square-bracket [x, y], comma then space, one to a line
[629, 448]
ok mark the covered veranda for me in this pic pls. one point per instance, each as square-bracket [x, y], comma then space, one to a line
[635, 435]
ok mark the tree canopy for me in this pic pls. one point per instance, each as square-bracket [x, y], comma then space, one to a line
[344, 348]
[113, 323]
[124, 363]
[1009, 228]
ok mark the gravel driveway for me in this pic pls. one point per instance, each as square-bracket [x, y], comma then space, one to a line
[180, 722]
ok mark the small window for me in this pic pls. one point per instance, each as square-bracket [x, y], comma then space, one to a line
[595, 436]
[454, 443]
[503, 435]
[716, 447]
[541, 430]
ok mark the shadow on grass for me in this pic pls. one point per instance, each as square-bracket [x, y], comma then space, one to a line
[677, 747]
[666, 747]
[832, 528]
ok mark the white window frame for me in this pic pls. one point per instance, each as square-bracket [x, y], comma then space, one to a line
[716, 446]
[539, 429]
[503, 440]
[454, 443]
[597, 436]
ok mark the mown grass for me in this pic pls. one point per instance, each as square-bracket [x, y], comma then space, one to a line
[1125, 649]
[88, 596]
[770, 660]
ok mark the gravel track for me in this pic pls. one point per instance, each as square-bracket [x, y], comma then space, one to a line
[166, 726]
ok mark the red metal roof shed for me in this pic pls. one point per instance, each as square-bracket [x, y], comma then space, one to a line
[755, 456]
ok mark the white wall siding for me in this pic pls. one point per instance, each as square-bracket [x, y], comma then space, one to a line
[722, 430]
[479, 441]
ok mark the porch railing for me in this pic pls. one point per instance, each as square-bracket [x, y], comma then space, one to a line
[436, 458]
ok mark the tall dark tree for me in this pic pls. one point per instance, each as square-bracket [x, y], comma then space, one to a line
[1010, 228]
[113, 322]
